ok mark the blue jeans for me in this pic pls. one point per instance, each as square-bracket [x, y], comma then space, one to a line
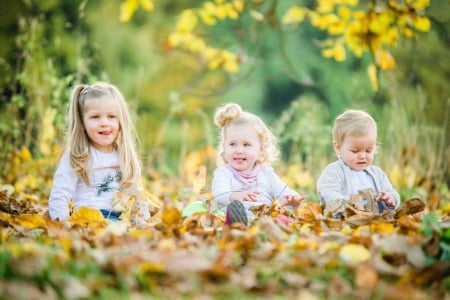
[110, 215]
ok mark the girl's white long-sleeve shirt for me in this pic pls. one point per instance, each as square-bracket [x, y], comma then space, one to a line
[104, 176]
[269, 185]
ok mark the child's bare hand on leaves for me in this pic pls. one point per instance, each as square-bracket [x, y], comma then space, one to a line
[250, 195]
[386, 198]
[293, 200]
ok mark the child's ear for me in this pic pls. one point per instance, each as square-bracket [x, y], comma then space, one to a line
[337, 149]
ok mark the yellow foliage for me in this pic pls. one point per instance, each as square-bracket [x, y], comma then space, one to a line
[384, 59]
[151, 267]
[422, 23]
[382, 227]
[325, 6]
[419, 4]
[294, 15]
[354, 254]
[129, 7]
[127, 10]
[48, 131]
[337, 52]
[186, 22]
[305, 244]
[171, 216]
[85, 216]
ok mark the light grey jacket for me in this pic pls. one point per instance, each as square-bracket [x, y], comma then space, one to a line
[335, 182]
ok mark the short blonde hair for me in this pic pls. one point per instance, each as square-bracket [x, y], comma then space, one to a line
[77, 141]
[231, 114]
[353, 123]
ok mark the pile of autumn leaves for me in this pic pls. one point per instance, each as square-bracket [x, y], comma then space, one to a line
[311, 257]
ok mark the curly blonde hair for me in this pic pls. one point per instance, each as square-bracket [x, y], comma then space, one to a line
[231, 114]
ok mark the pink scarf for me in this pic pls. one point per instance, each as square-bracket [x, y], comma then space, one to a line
[250, 180]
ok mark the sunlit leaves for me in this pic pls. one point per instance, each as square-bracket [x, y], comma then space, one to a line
[294, 15]
[359, 28]
[360, 31]
[129, 7]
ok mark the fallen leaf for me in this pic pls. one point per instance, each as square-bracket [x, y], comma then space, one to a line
[354, 254]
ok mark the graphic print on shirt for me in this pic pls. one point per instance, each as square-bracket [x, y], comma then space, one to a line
[106, 185]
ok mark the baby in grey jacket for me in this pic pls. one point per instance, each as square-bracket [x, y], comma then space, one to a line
[354, 140]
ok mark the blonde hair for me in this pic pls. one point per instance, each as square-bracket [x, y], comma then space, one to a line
[77, 141]
[231, 114]
[353, 123]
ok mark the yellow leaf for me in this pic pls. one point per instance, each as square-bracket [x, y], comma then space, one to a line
[24, 154]
[207, 17]
[382, 227]
[304, 244]
[294, 15]
[238, 5]
[325, 6]
[339, 52]
[384, 59]
[354, 254]
[407, 32]
[350, 2]
[327, 246]
[30, 221]
[170, 214]
[151, 267]
[446, 208]
[346, 230]
[420, 4]
[306, 228]
[127, 10]
[344, 12]
[147, 5]
[86, 215]
[187, 21]
[372, 72]
[422, 23]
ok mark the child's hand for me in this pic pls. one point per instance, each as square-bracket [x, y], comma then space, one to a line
[250, 195]
[386, 198]
[293, 200]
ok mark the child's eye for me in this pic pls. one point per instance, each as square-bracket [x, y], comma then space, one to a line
[247, 144]
[354, 151]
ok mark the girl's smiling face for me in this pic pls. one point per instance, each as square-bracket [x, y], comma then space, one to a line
[101, 122]
[242, 148]
[357, 151]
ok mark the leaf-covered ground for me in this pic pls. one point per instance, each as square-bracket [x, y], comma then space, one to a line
[401, 256]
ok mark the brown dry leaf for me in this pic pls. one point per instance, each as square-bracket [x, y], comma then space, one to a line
[407, 223]
[308, 211]
[402, 249]
[404, 291]
[410, 207]
[338, 288]
[366, 279]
